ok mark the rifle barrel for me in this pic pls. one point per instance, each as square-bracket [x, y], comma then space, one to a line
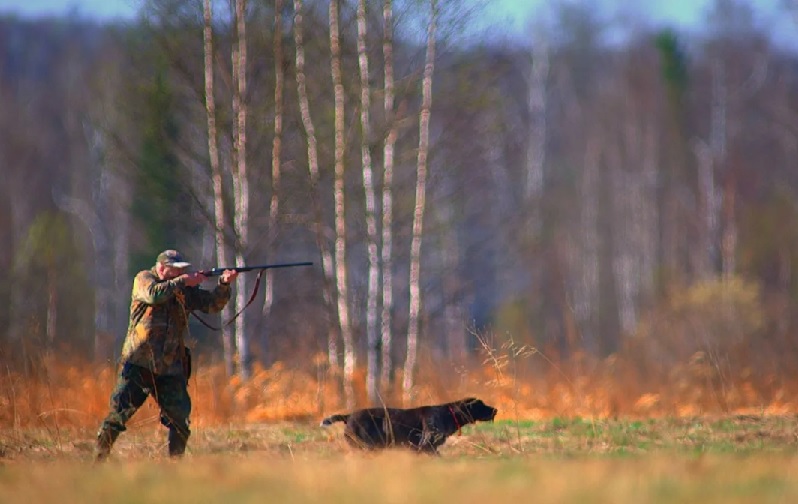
[242, 269]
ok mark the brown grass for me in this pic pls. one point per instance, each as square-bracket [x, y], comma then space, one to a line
[664, 461]
[520, 381]
[580, 430]
[400, 478]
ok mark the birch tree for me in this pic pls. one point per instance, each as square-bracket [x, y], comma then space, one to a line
[240, 178]
[277, 143]
[711, 155]
[536, 148]
[587, 286]
[387, 197]
[313, 170]
[634, 203]
[371, 221]
[736, 78]
[418, 212]
[339, 198]
[219, 215]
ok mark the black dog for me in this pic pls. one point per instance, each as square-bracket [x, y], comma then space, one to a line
[424, 428]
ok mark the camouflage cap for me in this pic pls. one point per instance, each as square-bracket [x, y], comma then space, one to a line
[172, 258]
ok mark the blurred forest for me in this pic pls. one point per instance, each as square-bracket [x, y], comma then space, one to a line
[601, 195]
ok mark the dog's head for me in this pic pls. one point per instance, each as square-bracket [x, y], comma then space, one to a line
[475, 410]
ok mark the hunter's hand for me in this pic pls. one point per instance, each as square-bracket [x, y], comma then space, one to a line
[228, 276]
[193, 279]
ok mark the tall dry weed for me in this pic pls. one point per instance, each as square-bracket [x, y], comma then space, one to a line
[522, 381]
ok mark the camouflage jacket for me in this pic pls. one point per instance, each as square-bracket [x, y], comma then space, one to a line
[159, 311]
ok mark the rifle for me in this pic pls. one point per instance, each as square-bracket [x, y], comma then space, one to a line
[243, 269]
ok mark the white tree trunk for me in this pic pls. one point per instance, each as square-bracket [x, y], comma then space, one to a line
[718, 137]
[240, 179]
[387, 199]
[418, 213]
[372, 375]
[711, 156]
[729, 238]
[274, 205]
[634, 210]
[536, 149]
[218, 181]
[624, 186]
[340, 213]
[587, 264]
[705, 251]
[313, 169]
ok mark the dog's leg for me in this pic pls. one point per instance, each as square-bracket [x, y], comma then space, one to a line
[430, 438]
[428, 448]
[388, 437]
[359, 441]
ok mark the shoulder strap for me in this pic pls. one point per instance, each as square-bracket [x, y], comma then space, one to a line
[251, 299]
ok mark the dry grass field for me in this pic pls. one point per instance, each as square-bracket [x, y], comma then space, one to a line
[580, 434]
[720, 460]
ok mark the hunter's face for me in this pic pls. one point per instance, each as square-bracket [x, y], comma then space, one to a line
[168, 272]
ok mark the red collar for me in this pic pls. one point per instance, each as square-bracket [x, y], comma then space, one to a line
[456, 423]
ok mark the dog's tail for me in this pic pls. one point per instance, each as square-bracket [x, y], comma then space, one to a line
[334, 418]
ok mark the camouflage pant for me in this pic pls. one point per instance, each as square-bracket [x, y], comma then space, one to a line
[170, 392]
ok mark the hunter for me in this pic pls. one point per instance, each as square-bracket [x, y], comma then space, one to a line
[155, 360]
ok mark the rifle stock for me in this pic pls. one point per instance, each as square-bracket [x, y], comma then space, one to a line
[243, 269]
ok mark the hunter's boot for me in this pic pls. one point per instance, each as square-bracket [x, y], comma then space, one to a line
[177, 441]
[105, 440]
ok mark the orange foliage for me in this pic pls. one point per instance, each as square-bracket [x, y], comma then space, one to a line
[61, 394]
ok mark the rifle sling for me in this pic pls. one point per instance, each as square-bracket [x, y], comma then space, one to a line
[251, 299]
